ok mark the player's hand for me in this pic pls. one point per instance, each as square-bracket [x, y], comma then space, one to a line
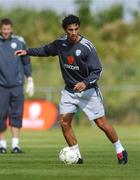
[30, 86]
[20, 52]
[80, 86]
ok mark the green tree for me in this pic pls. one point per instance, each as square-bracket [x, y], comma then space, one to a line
[84, 12]
[110, 14]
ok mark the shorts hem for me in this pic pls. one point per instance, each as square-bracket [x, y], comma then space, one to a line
[96, 117]
[68, 112]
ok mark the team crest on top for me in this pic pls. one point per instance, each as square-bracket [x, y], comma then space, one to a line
[13, 45]
[78, 52]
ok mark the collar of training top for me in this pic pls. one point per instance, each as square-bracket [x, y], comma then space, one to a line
[69, 42]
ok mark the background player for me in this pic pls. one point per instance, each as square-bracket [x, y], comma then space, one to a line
[12, 71]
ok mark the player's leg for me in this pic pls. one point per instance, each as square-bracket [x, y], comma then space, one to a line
[4, 103]
[107, 128]
[113, 137]
[68, 108]
[16, 114]
[65, 122]
[91, 103]
[69, 135]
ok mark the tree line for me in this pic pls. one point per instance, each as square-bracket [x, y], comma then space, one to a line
[117, 43]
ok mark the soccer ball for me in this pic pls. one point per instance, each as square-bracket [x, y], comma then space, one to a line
[68, 156]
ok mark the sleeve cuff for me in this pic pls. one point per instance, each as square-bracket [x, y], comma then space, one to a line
[86, 82]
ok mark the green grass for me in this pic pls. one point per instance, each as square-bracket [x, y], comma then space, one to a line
[41, 158]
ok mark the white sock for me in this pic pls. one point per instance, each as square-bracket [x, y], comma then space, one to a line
[15, 142]
[118, 147]
[3, 143]
[76, 149]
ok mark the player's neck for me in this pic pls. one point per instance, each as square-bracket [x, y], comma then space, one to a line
[76, 40]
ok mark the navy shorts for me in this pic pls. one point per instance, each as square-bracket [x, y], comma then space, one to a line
[11, 107]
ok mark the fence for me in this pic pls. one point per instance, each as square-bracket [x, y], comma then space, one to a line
[121, 101]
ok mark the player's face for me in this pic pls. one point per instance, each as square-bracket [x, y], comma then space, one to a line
[73, 32]
[6, 30]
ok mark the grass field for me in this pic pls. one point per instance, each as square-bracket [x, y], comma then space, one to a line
[41, 158]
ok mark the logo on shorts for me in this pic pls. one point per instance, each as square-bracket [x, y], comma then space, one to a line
[13, 45]
[78, 52]
[70, 59]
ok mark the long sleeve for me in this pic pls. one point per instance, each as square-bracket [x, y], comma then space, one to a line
[26, 66]
[47, 50]
[94, 67]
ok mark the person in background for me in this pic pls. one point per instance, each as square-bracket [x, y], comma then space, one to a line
[12, 72]
[81, 69]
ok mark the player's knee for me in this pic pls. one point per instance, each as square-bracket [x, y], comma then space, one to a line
[15, 123]
[102, 125]
[64, 123]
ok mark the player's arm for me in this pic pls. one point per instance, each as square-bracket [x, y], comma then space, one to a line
[94, 67]
[28, 73]
[26, 63]
[47, 50]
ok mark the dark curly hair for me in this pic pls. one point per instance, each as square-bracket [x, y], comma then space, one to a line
[70, 19]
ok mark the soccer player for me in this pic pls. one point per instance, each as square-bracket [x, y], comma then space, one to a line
[12, 71]
[81, 69]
